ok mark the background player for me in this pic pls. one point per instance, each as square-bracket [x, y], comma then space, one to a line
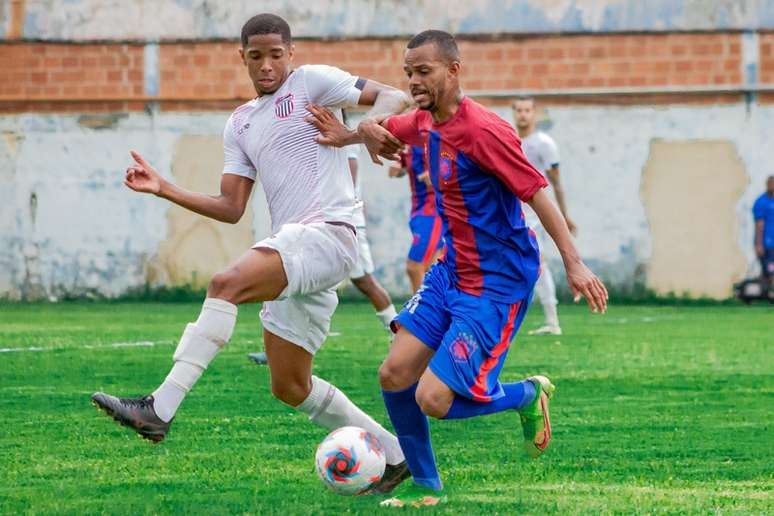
[763, 213]
[362, 273]
[294, 272]
[424, 222]
[453, 335]
[543, 154]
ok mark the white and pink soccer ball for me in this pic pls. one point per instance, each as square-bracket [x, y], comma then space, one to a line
[350, 460]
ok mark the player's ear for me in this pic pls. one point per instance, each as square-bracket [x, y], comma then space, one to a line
[291, 51]
[454, 68]
[242, 55]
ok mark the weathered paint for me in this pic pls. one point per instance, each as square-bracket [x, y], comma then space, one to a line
[690, 189]
[151, 69]
[89, 233]
[197, 247]
[203, 19]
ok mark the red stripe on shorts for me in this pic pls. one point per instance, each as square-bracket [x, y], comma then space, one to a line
[480, 388]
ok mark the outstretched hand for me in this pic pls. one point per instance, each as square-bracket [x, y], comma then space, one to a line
[585, 283]
[332, 131]
[141, 176]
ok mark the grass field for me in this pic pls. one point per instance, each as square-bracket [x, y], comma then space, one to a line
[658, 409]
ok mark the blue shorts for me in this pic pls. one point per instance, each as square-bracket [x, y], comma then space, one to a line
[470, 335]
[426, 231]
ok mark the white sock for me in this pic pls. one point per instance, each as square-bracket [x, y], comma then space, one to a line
[545, 288]
[329, 407]
[200, 342]
[386, 316]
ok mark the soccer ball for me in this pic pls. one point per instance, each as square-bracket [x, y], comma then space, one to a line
[350, 460]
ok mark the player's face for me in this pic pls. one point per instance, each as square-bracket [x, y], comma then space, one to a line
[267, 59]
[770, 185]
[430, 76]
[524, 113]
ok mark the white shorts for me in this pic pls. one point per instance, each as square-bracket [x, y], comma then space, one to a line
[316, 257]
[364, 264]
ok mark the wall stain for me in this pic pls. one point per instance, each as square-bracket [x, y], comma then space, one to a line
[197, 247]
[690, 190]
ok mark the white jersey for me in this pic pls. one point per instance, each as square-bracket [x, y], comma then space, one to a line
[303, 181]
[543, 154]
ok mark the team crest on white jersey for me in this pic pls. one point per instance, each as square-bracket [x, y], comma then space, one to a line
[283, 106]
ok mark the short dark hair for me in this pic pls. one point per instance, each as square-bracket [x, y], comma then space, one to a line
[523, 98]
[444, 41]
[266, 23]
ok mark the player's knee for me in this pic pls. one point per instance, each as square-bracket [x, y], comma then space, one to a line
[393, 378]
[432, 404]
[224, 285]
[290, 392]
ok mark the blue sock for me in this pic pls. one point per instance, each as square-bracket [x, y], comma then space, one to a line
[413, 433]
[517, 395]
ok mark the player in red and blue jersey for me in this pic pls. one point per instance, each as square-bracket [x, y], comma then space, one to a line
[453, 335]
[425, 224]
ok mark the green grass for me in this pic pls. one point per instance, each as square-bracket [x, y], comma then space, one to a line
[658, 409]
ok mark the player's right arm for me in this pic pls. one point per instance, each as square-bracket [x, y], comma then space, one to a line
[759, 250]
[228, 206]
[758, 215]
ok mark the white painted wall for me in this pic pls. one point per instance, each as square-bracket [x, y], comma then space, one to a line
[92, 234]
[203, 19]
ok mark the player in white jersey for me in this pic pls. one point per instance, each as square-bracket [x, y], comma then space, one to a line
[313, 246]
[362, 273]
[543, 154]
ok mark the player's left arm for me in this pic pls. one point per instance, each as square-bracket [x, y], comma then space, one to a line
[759, 249]
[758, 216]
[334, 88]
[495, 147]
[553, 177]
[581, 280]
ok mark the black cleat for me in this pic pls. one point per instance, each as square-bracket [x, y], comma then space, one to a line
[393, 476]
[258, 357]
[136, 413]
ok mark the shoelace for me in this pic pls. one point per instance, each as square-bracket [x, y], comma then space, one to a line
[137, 402]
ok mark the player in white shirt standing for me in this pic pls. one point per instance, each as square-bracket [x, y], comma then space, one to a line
[313, 247]
[543, 154]
[362, 273]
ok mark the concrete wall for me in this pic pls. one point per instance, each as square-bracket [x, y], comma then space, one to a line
[204, 19]
[84, 231]
[661, 109]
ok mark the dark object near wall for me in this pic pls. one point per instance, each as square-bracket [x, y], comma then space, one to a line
[750, 290]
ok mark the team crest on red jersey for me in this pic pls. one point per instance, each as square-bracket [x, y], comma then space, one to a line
[283, 106]
[445, 169]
